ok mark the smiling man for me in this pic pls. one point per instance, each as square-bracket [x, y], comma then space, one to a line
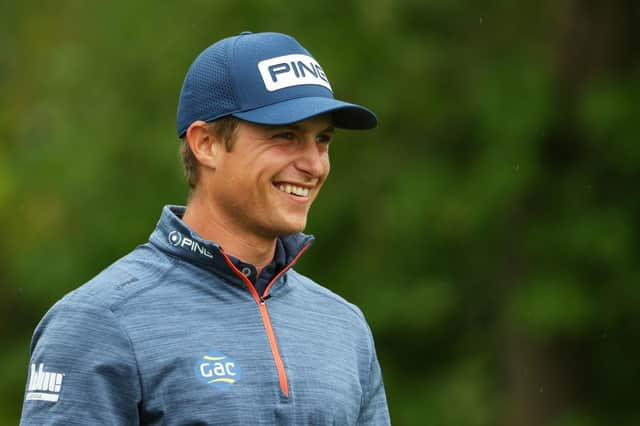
[261, 187]
[208, 323]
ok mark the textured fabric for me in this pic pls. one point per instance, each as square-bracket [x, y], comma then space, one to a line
[170, 334]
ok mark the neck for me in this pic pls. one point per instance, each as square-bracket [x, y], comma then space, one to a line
[204, 218]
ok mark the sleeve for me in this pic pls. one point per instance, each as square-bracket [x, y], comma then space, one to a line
[82, 370]
[374, 409]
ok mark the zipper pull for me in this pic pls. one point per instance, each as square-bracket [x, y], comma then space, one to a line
[263, 299]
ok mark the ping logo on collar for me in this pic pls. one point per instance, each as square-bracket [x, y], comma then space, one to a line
[291, 70]
[44, 385]
[178, 240]
[217, 370]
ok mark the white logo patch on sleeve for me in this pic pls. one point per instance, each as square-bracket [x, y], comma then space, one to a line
[44, 385]
[291, 70]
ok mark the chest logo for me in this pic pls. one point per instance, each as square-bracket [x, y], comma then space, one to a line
[217, 370]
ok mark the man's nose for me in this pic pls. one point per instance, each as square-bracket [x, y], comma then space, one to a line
[313, 159]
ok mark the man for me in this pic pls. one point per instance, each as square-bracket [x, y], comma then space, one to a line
[208, 323]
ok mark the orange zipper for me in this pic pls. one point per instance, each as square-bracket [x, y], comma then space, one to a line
[260, 300]
[282, 374]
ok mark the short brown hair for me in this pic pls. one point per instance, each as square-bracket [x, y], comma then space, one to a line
[224, 129]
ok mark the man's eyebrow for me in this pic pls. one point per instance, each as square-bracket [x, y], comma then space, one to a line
[300, 128]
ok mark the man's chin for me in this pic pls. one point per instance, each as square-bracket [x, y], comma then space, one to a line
[292, 227]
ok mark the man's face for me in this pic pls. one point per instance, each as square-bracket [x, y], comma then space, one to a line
[265, 185]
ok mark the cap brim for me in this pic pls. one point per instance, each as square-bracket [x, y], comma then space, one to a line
[344, 114]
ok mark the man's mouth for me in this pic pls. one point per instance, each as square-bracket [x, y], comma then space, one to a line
[298, 191]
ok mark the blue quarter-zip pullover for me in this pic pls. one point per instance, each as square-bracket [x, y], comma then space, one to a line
[174, 333]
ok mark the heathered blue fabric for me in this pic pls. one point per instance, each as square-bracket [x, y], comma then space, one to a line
[131, 341]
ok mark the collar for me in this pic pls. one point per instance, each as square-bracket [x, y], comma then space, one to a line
[174, 237]
[278, 262]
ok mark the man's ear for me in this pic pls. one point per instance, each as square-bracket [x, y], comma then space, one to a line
[203, 144]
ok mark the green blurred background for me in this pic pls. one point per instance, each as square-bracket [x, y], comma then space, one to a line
[489, 228]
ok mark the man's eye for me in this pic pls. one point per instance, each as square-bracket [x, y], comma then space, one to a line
[324, 138]
[285, 135]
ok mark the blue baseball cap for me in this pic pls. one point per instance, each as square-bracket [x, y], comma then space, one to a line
[263, 78]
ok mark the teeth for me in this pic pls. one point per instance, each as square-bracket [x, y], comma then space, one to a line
[292, 189]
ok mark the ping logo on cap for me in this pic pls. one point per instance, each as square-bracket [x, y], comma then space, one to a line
[291, 70]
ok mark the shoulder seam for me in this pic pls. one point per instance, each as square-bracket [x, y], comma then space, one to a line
[365, 395]
[133, 351]
[116, 305]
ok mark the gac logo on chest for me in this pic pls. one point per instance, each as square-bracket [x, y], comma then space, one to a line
[217, 370]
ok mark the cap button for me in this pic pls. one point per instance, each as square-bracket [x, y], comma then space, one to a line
[246, 32]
